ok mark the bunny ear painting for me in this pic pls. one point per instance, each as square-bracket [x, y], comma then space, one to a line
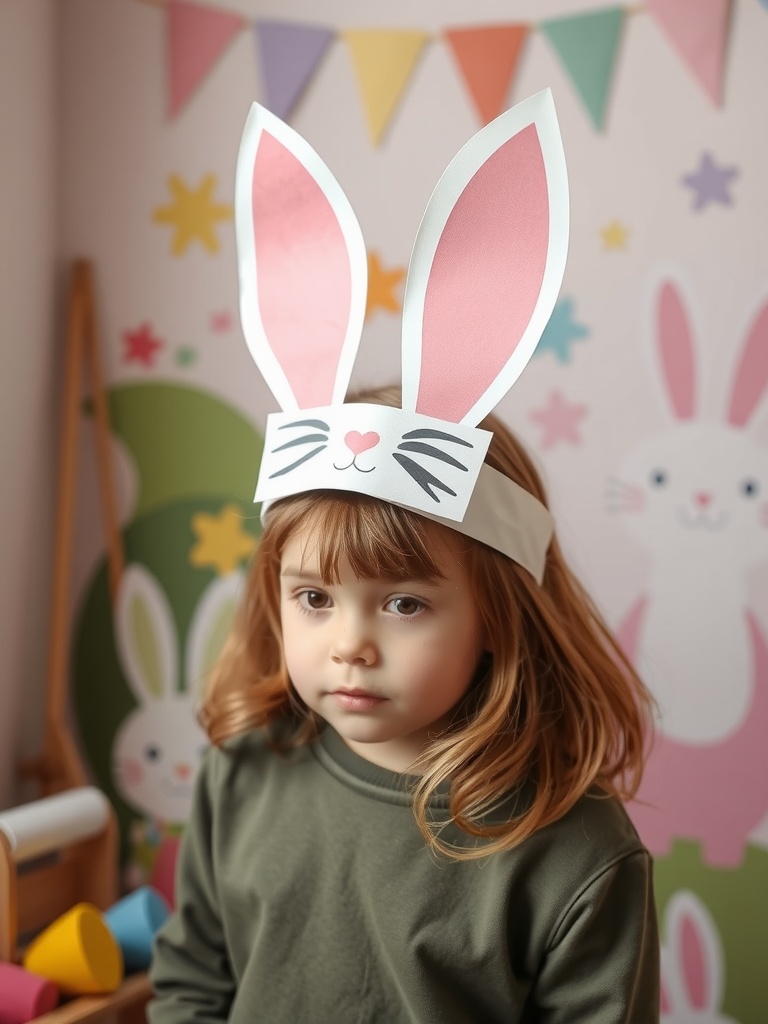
[158, 746]
[692, 965]
[695, 496]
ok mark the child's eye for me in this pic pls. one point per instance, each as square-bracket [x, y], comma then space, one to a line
[407, 607]
[314, 600]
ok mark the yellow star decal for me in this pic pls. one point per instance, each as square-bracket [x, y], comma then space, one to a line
[193, 214]
[221, 541]
[615, 235]
[381, 286]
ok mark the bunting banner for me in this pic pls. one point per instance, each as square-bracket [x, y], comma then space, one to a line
[289, 54]
[586, 44]
[383, 62]
[196, 36]
[487, 58]
[698, 31]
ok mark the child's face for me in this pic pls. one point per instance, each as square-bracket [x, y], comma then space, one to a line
[383, 661]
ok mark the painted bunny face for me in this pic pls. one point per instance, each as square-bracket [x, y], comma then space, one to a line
[700, 490]
[484, 275]
[158, 755]
[158, 747]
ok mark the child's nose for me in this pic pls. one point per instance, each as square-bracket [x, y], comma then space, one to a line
[354, 644]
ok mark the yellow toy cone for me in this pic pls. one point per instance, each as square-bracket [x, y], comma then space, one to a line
[78, 952]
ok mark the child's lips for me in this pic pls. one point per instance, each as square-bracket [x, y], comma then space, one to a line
[357, 700]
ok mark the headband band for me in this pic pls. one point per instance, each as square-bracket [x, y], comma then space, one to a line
[483, 279]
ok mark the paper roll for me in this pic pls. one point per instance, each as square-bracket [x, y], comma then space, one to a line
[46, 825]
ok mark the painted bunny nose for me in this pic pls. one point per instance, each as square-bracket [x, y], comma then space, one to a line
[357, 442]
[182, 770]
[702, 498]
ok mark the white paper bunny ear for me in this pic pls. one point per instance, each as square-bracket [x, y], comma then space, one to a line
[302, 265]
[487, 265]
[484, 276]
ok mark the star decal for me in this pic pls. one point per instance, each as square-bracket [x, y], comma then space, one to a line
[381, 286]
[221, 321]
[141, 346]
[192, 214]
[614, 235]
[561, 331]
[222, 543]
[710, 183]
[185, 356]
[559, 420]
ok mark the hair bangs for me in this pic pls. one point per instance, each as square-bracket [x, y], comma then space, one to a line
[377, 539]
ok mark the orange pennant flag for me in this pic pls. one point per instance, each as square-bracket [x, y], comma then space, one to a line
[487, 58]
[196, 37]
[383, 61]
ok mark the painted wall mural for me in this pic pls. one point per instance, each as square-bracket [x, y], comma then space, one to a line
[646, 404]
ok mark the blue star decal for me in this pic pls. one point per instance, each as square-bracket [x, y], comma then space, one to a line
[561, 331]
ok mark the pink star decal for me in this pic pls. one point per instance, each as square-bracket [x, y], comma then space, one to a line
[221, 321]
[559, 420]
[141, 346]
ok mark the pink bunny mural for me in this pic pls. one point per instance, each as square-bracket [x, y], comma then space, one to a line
[696, 496]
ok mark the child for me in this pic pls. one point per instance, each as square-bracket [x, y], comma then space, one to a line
[422, 727]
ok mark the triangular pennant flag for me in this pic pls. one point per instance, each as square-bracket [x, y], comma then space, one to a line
[195, 38]
[383, 61]
[697, 29]
[487, 58]
[587, 45]
[289, 54]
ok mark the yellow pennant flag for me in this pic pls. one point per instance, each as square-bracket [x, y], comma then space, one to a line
[383, 61]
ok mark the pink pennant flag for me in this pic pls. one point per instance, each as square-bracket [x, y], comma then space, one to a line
[196, 37]
[698, 30]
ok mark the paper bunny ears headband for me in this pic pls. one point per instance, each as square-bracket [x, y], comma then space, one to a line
[484, 275]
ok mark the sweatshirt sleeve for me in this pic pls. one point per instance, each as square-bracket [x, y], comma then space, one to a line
[191, 973]
[602, 964]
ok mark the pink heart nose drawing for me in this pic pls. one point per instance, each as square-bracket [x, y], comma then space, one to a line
[357, 442]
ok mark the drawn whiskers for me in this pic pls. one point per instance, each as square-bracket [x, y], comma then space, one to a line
[304, 439]
[621, 496]
[415, 441]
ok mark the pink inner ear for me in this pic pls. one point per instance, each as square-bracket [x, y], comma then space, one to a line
[694, 967]
[303, 273]
[676, 348]
[485, 278]
[752, 374]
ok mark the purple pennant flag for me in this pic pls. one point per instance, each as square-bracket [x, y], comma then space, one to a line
[289, 54]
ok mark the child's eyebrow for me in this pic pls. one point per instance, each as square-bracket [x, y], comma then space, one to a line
[299, 574]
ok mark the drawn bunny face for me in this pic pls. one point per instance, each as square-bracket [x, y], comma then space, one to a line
[692, 974]
[158, 747]
[485, 271]
[699, 490]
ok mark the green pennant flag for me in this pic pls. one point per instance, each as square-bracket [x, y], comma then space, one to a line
[587, 44]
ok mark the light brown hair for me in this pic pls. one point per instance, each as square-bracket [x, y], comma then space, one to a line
[557, 706]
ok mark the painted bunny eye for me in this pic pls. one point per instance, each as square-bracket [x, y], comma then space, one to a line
[659, 478]
[152, 753]
[750, 488]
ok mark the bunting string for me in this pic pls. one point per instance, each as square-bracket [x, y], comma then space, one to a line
[486, 57]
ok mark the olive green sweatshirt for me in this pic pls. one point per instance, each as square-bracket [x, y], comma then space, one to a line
[306, 895]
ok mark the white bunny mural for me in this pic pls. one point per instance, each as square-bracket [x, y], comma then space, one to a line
[692, 968]
[158, 747]
[696, 497]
